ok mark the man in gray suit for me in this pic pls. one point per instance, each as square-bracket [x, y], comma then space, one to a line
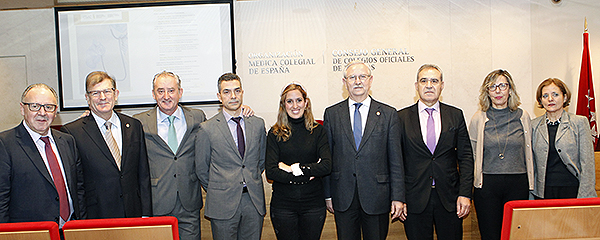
[170, 133]
[231, 149]
[367, 176]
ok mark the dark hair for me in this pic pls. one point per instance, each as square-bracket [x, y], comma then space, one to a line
[228, 77]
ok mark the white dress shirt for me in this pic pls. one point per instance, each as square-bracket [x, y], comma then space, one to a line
[115, 128]
[423, 115]
[162, 121]
[364, 112]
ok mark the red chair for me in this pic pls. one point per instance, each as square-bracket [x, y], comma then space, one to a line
[30, 230]
[576, 218]
[152, 228]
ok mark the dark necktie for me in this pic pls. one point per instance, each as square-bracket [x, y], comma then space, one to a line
[59, 182]
[357, 129]
[240, 136]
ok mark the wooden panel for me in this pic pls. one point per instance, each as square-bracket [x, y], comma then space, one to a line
[577, 222]
[159, 232]
[26, 235]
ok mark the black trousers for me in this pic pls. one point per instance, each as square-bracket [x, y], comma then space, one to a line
[298, 224]
[419, 226]
[351, 222]
[490, 199]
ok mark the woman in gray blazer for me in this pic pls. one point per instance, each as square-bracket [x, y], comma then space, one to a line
[563, 148]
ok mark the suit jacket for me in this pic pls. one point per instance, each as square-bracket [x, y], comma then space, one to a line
[172, 173]
[375, 168]
[223, 170]
[451, 164]
[575, 147]
[27, 191]
[111, 193]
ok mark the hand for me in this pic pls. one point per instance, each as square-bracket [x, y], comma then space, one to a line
[329, 205]
[397, 210]
[463, 206]
[84, 114]
[247, 111]
[285, 167]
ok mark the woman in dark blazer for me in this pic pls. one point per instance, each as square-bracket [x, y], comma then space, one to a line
[297, 157]
[563, 148]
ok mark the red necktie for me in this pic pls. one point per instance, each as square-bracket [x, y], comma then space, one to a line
[59, 182]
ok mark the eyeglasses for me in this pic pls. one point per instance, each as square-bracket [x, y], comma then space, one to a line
[34, 107]
[107, 92]
[361, 77]
[434, 81]
[502, 86]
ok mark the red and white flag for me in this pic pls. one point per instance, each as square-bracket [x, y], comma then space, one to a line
[586, 105]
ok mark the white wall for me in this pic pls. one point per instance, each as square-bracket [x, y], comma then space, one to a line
[533, 40]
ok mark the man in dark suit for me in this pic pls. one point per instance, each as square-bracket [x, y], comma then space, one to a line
[40, 170]
[367, 177]
[231, 150]
[113, 154]
[170, 134]
[438, 162]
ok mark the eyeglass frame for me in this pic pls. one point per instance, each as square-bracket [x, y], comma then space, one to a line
[360, 77]
[498, 86]
[31, 107]
[96, 93]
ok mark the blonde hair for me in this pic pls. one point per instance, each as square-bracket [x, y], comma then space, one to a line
[484, 96]
[282, 128]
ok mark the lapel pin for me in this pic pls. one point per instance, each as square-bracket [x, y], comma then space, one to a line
[127, 125]
[378, 113]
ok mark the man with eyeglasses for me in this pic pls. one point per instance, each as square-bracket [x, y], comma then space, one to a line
[113, 154]
[438, 162]
[366, 184]
[40, 169]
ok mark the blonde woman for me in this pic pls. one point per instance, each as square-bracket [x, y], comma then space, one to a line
[501, 139]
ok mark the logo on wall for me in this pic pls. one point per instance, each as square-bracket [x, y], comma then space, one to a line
[375, 56]
[276, 62]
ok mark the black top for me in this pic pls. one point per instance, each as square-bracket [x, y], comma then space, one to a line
[312, 152]
[557, 174]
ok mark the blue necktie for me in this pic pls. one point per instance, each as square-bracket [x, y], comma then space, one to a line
[357, 130]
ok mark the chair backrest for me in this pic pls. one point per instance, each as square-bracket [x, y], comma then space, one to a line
[152, 228]
[552, 219]
[29, 231]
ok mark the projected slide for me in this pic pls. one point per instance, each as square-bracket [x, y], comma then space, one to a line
[132, 43]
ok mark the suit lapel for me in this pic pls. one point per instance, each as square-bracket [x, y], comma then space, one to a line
[345, 122]
[126, 137]
[372, 121]
[562, 127]
[28, 146]
[415, 128]
[91, 129]
[65, 156]
[446, 122]
[153, 129]
[542, 128]
[191, 124]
